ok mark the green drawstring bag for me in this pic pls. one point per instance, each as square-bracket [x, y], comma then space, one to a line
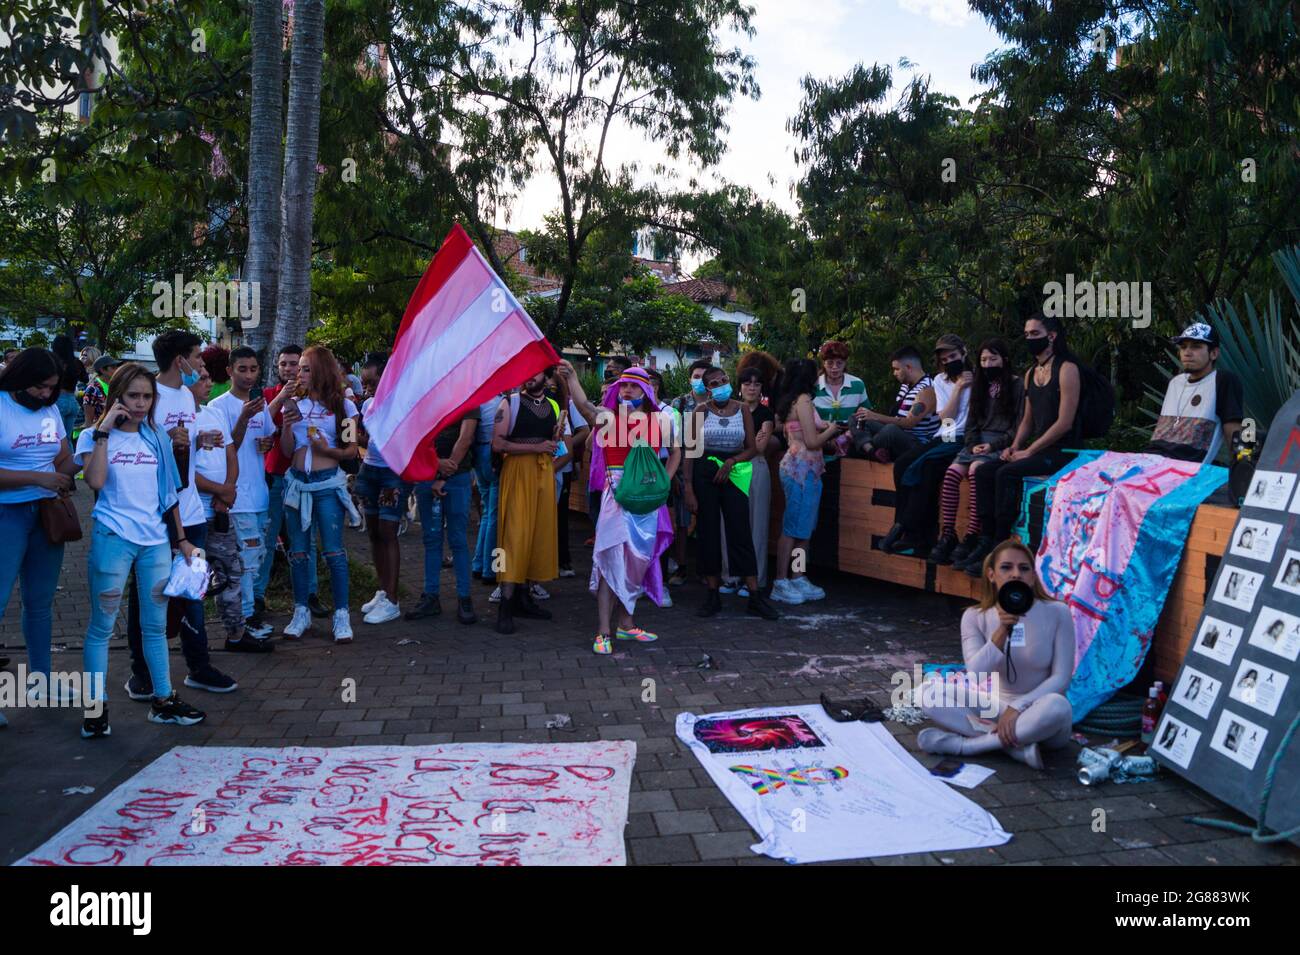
[644, 487]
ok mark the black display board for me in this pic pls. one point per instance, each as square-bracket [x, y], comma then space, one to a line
[1239, 687]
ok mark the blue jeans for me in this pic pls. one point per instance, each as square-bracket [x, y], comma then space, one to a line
[70, 410]
[327, 520]
[488, 486]
[248, 527]
[453, 511]
[188, 614]
[274, 520]
[28, 556]
[111, 561]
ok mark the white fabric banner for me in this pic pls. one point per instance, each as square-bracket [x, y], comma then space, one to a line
[453, 804]
[816, 790]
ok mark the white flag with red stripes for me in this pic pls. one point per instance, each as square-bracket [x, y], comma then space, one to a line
[464, 338]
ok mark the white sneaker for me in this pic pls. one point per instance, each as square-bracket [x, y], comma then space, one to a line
[496, 596]
[383, 612]
[809, 590]
[299, 624]
[668, 601]
[785, 592]
[342, 627]
[539, 592]
[673, 566]
[379, 597]
[568, 572]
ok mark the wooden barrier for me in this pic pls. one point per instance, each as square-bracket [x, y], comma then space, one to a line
[866, 512]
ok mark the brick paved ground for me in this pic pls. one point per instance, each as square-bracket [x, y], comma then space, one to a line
[420, 683]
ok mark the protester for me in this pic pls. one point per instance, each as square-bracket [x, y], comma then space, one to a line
[918, 473]
[129, 461]
[216, 474]
[753, 384]
[276, 463]
[319, 431]
[175, 411]
[526, 432]
[726, 432]
[576, 432]
[88, 356]
[625, 564]
[1201, 405]
[885, 438]
[247, 419]
[73, 374]
[839, 395]
[483, 566]
[36, 464]
[684, 406]
[92, 399]
[217, 361]
[1047, 428]
[801, 477]
[995, 401]
[1030, 657]
[444, 516]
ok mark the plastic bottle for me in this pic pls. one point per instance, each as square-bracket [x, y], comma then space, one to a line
[1150, 716]
[1161, 694]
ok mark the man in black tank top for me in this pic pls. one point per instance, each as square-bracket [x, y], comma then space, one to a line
[526, 432]
[1053, 387]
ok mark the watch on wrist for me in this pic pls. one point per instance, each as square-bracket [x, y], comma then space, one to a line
[99, 435]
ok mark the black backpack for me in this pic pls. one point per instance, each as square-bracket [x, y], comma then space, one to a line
[1096, 404]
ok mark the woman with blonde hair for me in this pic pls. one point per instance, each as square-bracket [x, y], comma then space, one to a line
[1028, 660]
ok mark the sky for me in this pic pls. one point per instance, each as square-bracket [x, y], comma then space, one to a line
[941, 38]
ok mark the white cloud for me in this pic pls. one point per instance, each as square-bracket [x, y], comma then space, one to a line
[953, 13]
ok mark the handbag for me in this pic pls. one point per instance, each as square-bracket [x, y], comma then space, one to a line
[59, 520]
[644, 487]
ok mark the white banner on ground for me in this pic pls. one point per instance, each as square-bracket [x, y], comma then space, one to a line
[452, 804]
[816, 790]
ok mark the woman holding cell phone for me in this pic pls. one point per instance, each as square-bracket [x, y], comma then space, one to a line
[320, 430]
[129, 461]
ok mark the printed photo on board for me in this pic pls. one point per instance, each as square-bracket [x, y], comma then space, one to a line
[1217, 640]
[1277, 632]
[1196, 691]
[1270, 489]
[1237, 587]
[1258, 686]
[1288, 574]
[1177, 741]
[1238, 738]
[1255, 539]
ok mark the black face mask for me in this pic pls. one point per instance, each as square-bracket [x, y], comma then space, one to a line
[1037, 346]
[993, 373]
[954, 368]
[29, 401]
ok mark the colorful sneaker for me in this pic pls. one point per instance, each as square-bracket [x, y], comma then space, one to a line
[602, 644]
[637, 634]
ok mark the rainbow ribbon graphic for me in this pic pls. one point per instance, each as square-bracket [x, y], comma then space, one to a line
[765, 781]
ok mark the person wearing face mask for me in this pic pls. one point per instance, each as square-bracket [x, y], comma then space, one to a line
[129, 461]
[1033, 659]
[180, 367]
[526, 432]
[726, 431]
[684, 406]
[918, 473]
[1047, 428]
[35, 464]
[625, 564]
[753, 384]
[885, 438]
[995, 402]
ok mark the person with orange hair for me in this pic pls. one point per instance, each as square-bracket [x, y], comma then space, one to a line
[839, 394]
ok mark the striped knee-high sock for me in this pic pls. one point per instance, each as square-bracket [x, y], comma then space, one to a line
[948, 499]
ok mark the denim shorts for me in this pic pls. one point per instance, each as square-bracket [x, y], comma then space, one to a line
[802, 498]
[381, 491]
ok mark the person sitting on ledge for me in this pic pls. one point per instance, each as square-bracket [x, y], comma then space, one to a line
[1200, 403]
[886, 438]
[1033, 657]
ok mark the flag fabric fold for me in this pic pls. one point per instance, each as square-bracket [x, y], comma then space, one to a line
[463, 338]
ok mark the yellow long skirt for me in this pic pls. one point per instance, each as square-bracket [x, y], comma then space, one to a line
[526, 519]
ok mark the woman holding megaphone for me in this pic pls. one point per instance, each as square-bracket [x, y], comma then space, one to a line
[1018, 632]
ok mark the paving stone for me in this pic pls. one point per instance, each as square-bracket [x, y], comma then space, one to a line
[663, 850]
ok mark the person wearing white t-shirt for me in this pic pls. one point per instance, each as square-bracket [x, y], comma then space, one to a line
[129, 461]
[383, 496]
[35, 465]
[319, 430]
[179, 368]
[250, 422]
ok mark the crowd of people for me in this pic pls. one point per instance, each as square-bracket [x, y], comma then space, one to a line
[194, 457]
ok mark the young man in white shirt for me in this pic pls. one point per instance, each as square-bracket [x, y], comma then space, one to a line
[248, 419]
[1201, 405]
[179, 368]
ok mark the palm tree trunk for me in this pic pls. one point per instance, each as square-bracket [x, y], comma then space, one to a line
[262, 262]
[293, 306]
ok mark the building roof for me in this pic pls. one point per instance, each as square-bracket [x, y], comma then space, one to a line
[701, 290]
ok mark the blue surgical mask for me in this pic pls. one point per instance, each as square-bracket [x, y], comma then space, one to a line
[721, 393]
[697, 386]
[633, 402]
[190, 378]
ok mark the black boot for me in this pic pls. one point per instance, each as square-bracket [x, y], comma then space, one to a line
[525, 606]
[759, 607]
[941, 555]
[505, 617]
[963, 550]
[712, 604]
[465, 610]
[887, 543]
[974, 564]
[427, 607]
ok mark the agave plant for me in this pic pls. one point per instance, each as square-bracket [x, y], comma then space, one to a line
[1263, 352]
